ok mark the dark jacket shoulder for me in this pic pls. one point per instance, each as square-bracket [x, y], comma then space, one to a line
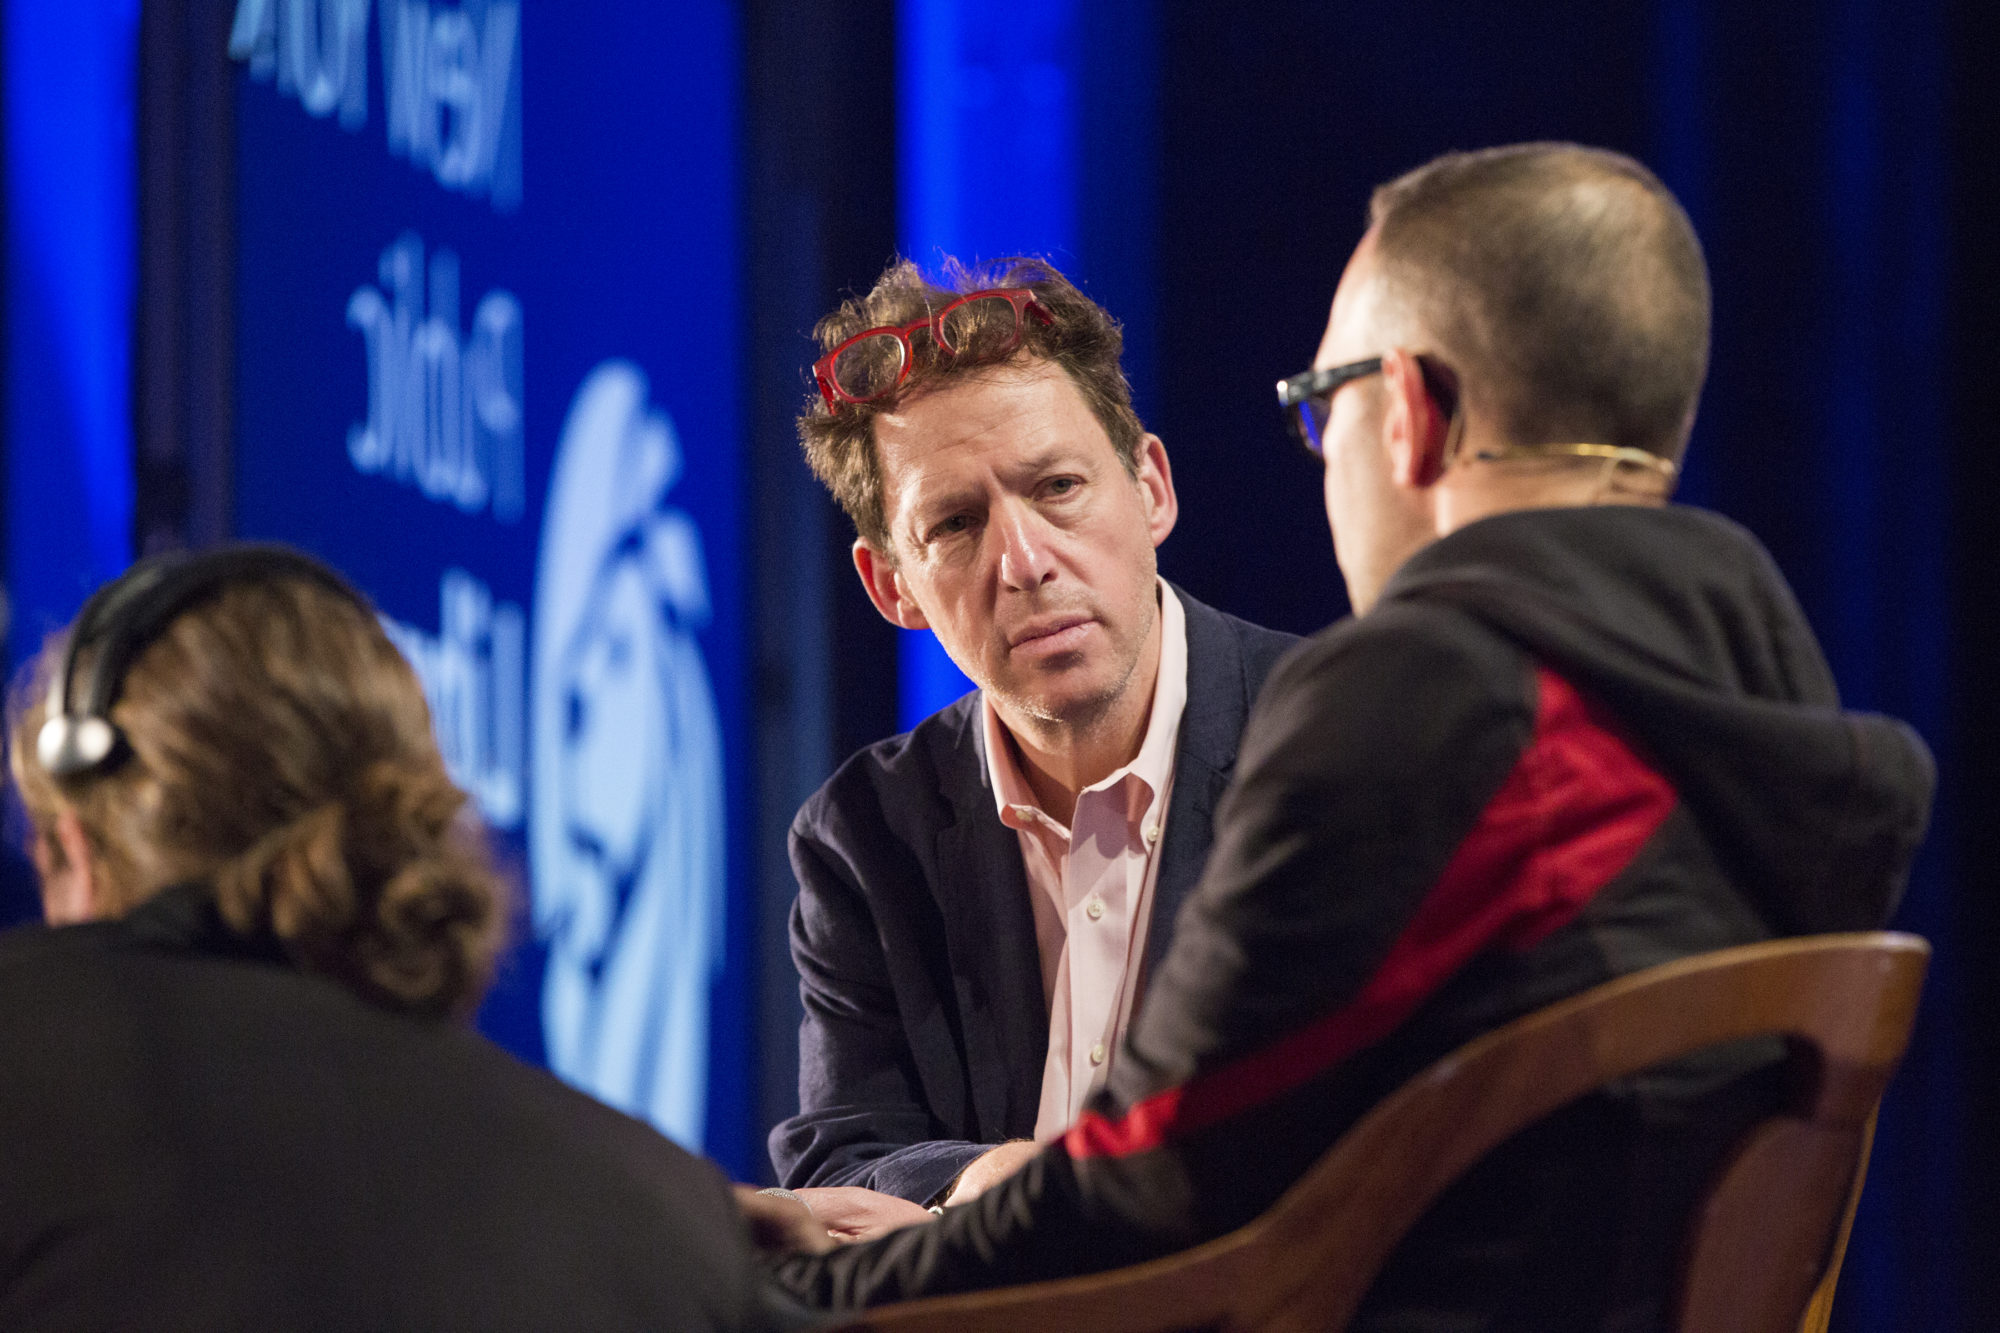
[912, 782]
[907, 781]
[181, 1092]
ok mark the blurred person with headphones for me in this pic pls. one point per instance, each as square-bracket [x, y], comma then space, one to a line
[235, 1090]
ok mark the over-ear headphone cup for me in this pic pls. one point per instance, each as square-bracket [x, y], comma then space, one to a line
[68, 746]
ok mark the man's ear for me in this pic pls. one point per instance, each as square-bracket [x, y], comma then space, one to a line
[1155, 480]
[886, 588]
[1417, 431]
[69, 882]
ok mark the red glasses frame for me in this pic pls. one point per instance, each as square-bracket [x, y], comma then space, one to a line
[1022, 299]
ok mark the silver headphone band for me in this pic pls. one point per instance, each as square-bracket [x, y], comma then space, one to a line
[126, 615]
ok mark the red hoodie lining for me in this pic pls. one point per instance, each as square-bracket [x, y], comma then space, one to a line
[1575, 809]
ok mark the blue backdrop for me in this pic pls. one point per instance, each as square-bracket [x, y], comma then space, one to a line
[1027, 129]
[487, 358]
[72, 249]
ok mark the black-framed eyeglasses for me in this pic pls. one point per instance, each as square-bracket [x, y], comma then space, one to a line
[1307, 399]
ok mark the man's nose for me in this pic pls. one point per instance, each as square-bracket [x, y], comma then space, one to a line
[1026, 561]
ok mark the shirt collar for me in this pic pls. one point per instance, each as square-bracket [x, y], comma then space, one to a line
[1153, 765]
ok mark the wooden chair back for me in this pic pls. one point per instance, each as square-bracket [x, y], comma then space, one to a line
[1759, 1246]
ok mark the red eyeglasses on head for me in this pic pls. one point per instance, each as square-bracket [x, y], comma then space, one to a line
[875, 362]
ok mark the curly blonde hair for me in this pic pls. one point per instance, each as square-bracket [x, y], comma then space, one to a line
[281, 753]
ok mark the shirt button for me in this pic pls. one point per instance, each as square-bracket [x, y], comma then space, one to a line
[1152, 834]
[1094, 908]
[1097, 1054]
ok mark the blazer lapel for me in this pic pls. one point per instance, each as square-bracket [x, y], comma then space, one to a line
[982, 889]
[1218, 704]
[982, 892]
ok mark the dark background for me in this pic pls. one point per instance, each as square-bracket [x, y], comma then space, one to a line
[1839, 162]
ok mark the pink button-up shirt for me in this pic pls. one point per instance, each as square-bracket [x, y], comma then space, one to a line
[1091, 884]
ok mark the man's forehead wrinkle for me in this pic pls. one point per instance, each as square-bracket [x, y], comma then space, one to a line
[927, 484]
[923, 493]
[925, 450]
[1000, 426]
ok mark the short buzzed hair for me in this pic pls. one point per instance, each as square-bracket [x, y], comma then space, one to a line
[1564, 283]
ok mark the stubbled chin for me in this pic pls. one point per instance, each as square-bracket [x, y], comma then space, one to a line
[1065, 691]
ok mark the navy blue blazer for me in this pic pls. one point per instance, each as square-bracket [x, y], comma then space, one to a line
[925, 1031]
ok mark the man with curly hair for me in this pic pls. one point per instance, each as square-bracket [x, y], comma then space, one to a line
[980, 898]
[1570, 732]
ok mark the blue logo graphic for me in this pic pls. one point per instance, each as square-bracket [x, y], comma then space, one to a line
[626, 830]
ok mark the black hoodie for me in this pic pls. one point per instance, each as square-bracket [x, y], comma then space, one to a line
[1677, 621]
[1567, 744]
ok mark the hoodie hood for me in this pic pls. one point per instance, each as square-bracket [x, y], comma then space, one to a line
[1679, 624]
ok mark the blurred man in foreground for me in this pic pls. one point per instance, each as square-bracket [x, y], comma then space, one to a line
[1572, 732]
